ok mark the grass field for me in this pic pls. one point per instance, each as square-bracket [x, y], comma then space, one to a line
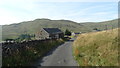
[97, 48]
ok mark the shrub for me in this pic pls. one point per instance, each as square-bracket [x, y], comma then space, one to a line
[67, 32]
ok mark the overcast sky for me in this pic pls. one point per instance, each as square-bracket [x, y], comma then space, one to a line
[15, 11]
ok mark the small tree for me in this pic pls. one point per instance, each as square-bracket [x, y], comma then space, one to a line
[95, 29]
[67, 32]
[24, 37]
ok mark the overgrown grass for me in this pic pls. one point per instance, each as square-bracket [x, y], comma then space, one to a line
[97, 49]
[30, 54]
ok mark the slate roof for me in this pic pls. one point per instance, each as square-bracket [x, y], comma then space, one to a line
[52, 30]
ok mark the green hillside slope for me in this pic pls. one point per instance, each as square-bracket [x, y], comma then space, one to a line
[101, 25]
[31, 27]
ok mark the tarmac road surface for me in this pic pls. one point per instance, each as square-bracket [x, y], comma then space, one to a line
[60, 56]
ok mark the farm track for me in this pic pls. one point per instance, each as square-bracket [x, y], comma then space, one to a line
[60, 56]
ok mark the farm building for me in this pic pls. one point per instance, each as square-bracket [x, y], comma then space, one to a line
[49, 33]
[73, 33]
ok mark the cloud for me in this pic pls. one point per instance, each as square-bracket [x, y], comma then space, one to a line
[96, 9]
[20, 4]
[68, 0]
[7, 18]
[14, 11]
[96, 18]
[84, 11]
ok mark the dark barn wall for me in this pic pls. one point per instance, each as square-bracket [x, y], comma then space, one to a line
[61, 35]
[57, 35]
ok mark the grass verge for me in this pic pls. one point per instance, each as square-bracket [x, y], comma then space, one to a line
[97, 48]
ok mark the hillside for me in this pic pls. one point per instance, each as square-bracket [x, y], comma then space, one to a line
[97, 48]
[101, 25]
[31, 27]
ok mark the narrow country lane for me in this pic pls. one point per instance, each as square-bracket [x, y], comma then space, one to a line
[61, 56]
